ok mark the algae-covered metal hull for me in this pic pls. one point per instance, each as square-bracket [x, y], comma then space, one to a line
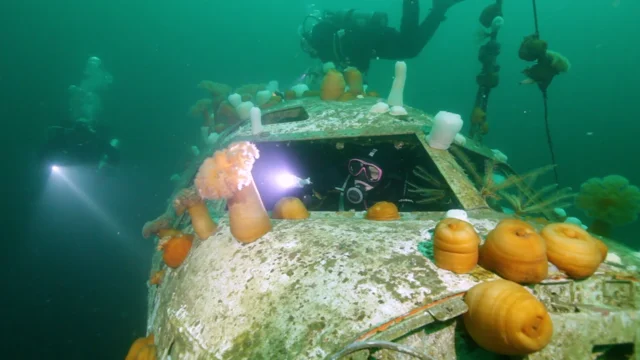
[311, 289]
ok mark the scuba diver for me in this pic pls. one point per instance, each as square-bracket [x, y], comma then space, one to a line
[79, 144]
[353, 38]
[371, 175]
[85, 140]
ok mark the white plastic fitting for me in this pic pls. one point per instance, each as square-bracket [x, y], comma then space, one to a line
[397, 88]
[457, 214]
[445, 127]
[256, 120]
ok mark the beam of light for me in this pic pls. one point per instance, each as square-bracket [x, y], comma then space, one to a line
[81, 182]
[61, 174]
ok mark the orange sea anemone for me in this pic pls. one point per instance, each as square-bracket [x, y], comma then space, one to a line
[478, 116]
[353, 78]
[175, 249]
[188, 199]
[348, 96]
[156, 277]
[290, 95]
[215, 89]
[383, 211]
[218, 92]
[161, 222]
[203, 108]
[504, 318]
[333, 85]
[250, 89]
[572, 249]
[290, 208]
[516, 252]
[142, 349]
[227, 174]
[455, 245]
[227, 114]
[275, 100]
[168, 232]
[484, 129]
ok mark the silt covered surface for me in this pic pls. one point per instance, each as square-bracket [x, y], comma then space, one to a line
[304, 290]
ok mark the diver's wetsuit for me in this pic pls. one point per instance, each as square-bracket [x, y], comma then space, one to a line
[359, 45]
[77, 145]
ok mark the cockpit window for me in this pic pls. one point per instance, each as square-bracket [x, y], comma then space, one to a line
[352, 174]
[285, 115]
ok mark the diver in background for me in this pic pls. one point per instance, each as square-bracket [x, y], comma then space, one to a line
[84, 141]
[79, 144]
[353, 38]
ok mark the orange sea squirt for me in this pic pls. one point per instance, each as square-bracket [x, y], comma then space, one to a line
[176, 249]
[516, 252]
[383, 211]
[455, 245]
[290, 208]
[156, 277]
[505, 318]
[333, 85]
[572, 249]
[353, 78]
[142, 349]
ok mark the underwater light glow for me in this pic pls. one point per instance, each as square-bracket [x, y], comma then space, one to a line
[286, 180]
[55, 169]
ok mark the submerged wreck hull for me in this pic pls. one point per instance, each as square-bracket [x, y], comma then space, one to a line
[339, 286]
[310, 288]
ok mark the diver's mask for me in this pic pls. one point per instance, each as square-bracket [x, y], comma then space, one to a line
[367, 176]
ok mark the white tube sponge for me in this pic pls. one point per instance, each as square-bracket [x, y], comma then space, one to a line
[445, 127]
[397, 88]
[256, 120]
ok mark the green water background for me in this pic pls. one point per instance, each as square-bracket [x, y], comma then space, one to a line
[76, 281]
